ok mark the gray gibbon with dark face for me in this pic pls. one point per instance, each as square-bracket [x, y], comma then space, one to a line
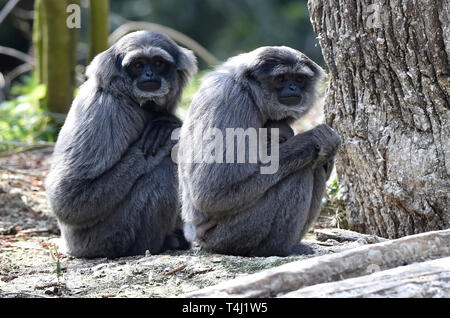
[112, 184]
[233, 208]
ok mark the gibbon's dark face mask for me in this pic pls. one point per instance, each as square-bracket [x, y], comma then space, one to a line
[148, 72]
[289, 88]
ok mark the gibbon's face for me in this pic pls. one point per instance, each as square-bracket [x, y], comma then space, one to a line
[148, 72]
[288, 87]
[152, 73]
[148, 67]
[286, 81]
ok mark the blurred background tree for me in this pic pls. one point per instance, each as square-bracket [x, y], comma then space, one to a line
[55, 52]
[99, 27]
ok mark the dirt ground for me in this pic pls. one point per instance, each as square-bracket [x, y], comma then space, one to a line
[31, 267]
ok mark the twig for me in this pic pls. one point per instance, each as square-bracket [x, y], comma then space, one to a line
[325, 244]
[47, 285]
[45, 271]
[199, 272]
[176, 269]
[21, 171]
[35, 231]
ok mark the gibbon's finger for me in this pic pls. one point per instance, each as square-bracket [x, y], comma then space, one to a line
[157, 140]
[149, 139]
[166, 136]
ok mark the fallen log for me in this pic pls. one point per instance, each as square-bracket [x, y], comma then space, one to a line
[425, 279]
[328, 268]
[346, 236]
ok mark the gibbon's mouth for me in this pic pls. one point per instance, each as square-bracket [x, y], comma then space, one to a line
[290, 100]
[149, 86]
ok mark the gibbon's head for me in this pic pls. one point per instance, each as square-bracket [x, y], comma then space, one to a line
[148, 67]
[281, 80]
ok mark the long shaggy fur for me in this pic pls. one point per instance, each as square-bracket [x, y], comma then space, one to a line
[110, 200]
[231, 208]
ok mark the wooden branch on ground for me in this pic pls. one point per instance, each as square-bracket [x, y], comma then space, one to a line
[328, 268]
[346, 236]
[426, 279]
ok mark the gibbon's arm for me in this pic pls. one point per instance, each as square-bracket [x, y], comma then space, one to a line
[96, 160]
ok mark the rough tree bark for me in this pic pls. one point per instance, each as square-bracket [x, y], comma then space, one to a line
[388, 98]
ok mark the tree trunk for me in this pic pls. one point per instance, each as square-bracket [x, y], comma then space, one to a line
[38, 41]
[388, 98]
[98, 27]
[55, 50]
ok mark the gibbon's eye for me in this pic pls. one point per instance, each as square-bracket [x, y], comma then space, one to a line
[279, 79]
[138, 65]
[300, 80]
[159, 63]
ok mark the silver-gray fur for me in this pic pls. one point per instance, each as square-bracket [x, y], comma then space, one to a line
[232, 208]
[112, 184]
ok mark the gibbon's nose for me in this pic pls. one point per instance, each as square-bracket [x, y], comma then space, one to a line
[290, 95]
[149, 74]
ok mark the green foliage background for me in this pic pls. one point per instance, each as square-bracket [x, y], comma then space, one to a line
[22, 119]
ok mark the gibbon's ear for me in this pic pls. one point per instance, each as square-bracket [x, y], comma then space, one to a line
[104, 66]
[249, 74]
[187, 62]
[319, 73]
